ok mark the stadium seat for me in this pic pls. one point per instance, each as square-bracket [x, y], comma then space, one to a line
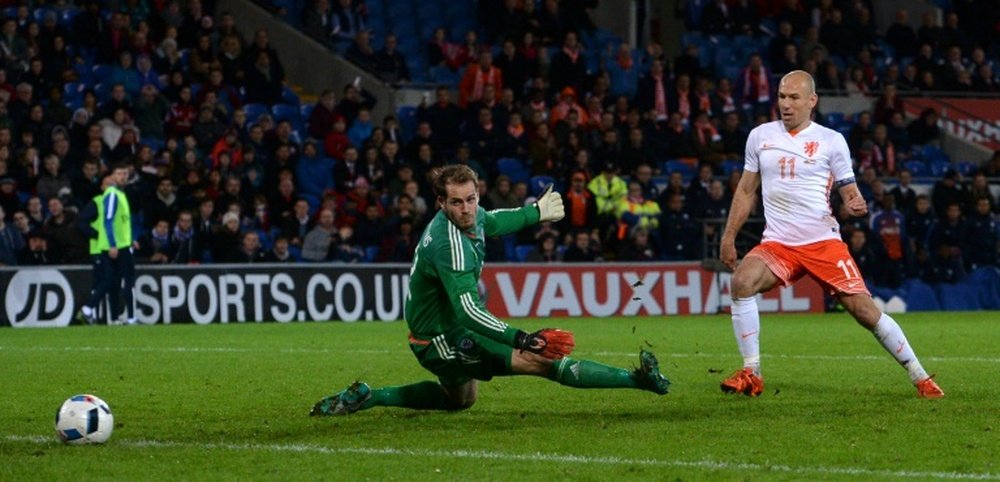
[101, 71]
[67, 15]
[728, 167]
[939, 168]
[407, 117]
[834, 119]
[371, 254]
[537, 183]
[688, 38]
[443, 75]
[288, 112]
[510, 247]
[152, 143]
[522, 251]
[40, 13]
[932, 153]
[918, 168]
[959, 296]
[306, 110]
[514, 169]
[266, 241]
[289, 97]
[966, 168]
[254, 111]
[313, 201]
[84, 72]
[73, 90]
[314, 176]
[677, 165]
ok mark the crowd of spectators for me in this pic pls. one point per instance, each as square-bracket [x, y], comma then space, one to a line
[644, 148]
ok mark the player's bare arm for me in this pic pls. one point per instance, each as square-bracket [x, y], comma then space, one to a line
[849, 192]
[743, 201]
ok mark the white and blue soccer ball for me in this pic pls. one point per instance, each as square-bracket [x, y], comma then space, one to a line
[84, 419]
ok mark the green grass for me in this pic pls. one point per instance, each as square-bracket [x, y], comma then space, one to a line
[231, 402]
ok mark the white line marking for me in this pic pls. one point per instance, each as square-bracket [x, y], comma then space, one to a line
[707, 464]
[195, 349]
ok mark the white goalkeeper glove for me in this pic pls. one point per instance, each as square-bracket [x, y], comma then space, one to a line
[550, 205]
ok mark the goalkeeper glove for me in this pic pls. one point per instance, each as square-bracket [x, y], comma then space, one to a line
[551, 343]
[550, 205]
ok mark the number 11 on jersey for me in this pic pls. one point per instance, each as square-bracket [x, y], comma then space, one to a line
[790, 163]
[850, 271]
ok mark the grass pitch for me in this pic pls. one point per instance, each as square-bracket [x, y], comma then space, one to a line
[231, 402]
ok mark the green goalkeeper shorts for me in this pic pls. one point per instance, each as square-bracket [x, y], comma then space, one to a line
[460, 355]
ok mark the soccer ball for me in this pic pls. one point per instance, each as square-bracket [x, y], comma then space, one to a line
[84, 419]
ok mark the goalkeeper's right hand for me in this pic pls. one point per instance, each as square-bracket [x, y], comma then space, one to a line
[551, 343]
[550, 205]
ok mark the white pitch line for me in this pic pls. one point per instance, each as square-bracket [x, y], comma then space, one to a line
[706, 464]
[195, 349]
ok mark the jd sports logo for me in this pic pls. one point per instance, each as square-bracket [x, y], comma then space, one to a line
[39, 298]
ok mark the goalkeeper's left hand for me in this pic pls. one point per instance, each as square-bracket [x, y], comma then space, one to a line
[551, 343]
[550, 205]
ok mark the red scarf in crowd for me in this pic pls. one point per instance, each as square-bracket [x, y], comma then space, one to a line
[684, 104]
[756, 86]
[703, 128]
[660, 106]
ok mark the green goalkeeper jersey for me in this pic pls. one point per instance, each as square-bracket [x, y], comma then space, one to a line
[444, 278]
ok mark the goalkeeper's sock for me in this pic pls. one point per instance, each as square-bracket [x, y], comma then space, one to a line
[418, 396]
[888, 332]
[588, 374]
[746, 326]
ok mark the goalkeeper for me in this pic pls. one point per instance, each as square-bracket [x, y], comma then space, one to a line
[452, 334]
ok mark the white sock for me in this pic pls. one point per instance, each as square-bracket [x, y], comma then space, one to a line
[746, 327]
[87, 311]
[888, 332]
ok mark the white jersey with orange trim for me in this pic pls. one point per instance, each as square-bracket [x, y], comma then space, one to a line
[797, 171]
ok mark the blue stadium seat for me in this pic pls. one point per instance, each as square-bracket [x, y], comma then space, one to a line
[289, 97]
[677, 165]
[728, 167]
[834, 119]
[313, 201]
[101, 71]
[918, 168]
[966, 168]
[932, 153]
[67, 15]
[73, 90]
[40, 13]
[266, 241]
[509, 247]
[724, 55]
[155, 144]
[537, 183]
[522, 251]
[443, 75]
[85, 72]
[407, 117]
[254, 111]
[688, 38]
[305, 110]
[731, 71]
[514, 169]
[939, 167]
[288, 112]
[371, 254]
